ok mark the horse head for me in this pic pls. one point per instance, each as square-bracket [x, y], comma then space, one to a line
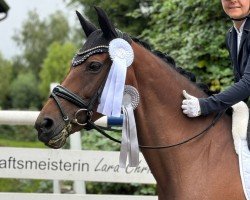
[73, 103]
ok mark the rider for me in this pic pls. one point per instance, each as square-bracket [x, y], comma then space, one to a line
[238, 43]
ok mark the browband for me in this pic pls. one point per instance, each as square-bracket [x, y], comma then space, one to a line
[96, 44]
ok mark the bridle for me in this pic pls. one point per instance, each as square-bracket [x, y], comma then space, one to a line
[87, 107]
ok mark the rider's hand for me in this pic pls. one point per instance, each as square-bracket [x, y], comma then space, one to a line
[190, 105]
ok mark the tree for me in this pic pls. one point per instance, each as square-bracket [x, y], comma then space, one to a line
[131, 16]
[56, 65]
[23, 92]
[6, 70]
[36, 35]
[193, 32]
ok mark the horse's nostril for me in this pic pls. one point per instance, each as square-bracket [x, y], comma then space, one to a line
[44, 127]
[47, 123]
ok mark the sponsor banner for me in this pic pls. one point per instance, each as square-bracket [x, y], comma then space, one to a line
[96, 166]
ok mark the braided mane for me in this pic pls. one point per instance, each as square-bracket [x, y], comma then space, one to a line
[171, 62]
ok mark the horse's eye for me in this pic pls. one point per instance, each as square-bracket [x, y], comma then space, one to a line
[94, 67]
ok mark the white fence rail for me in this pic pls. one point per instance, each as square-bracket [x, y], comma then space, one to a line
[14, 117]
[98, 166]
[22, 196]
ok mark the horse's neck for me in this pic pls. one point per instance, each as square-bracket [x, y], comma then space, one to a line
[160, 120]
[160, 88]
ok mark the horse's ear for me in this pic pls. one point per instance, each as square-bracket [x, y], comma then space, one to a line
[87, 26]
[106, 25]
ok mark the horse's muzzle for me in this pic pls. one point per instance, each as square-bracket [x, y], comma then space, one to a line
[51, 136]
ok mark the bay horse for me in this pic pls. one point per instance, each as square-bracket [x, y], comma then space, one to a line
[204, 168]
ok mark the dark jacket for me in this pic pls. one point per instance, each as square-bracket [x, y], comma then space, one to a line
[240, 90]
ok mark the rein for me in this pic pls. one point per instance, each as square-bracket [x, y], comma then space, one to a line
[215, 120]
[87, 106]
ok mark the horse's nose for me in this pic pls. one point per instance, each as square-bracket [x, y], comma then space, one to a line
[44, 127]
[47, 123]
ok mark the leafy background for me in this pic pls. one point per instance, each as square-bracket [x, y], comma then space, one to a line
[192, 32]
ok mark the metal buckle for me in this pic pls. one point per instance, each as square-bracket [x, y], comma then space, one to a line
[66, 118]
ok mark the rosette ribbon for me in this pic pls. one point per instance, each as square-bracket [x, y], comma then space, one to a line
[122, 55]
[129, 145]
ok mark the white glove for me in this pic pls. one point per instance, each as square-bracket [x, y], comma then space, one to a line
[190, 105]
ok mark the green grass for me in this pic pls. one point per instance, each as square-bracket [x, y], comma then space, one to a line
[22, 185]
[25, 144]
